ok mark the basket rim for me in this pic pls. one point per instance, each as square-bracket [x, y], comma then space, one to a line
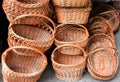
[63, 65]
[43, 66]
[86, 31]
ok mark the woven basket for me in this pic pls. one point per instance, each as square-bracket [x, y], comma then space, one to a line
[98, 25]
[39, 34]
[116, 4]
[69, 62]
[71, 34]
[71, 3]
[68, 15]
[14, 8]
[99, 40]
[22, 64]
[103, 63]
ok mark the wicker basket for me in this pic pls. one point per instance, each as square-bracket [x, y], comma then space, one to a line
[98, 25]
[68, 15]
[99, 40]
[14, 8]
[71, 34]
[103, 62]
[22, 64]
[39, 34]
[116, 4]
[69, 62]
[71, 3]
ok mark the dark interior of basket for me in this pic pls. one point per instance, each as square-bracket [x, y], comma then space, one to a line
[29, 1]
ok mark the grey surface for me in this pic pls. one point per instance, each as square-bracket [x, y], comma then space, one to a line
[48, 75]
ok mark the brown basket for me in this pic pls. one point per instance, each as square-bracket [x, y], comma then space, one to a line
[71, 3]
[99, 40]
[116, 4]
[98, 25]
[71, 34]
[103, 62]
[69, 62]
[68, 15]
[14, 8]
[22, 64]
[26, 32]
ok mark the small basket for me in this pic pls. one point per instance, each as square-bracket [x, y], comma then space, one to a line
[70, 3]
[71, 34]
[116, 4]
[68, 15]
[103, 63]
[99, 40]
[22, 64]
[98, 25]
[69, 62]
[14, 8]
[32, 31]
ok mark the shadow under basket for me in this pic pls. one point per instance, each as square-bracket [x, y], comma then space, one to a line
[33, 31]
[69, 62]
[103, 62]
[22, 64]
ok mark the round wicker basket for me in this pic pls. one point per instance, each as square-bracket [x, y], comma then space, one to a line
[69, 62]
[23, 31]
[71, 34]
[22, 64]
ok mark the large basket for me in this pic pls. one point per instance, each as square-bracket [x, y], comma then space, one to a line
[69, 62]
[71, 3]
[103, 63]
[32, 30]
[71, 34]
[68, 15]
[14, 8]
[98, 40]
[98, 25]
[22, 64]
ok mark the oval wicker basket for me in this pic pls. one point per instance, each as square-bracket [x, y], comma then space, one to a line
[71, 34]
[99, 40]
[98, 25]
[70, 3]
[22, 64]
[103, 62]
[69, 62]
[116, 4]
[14, 8]
[23, 31]
[76, 15]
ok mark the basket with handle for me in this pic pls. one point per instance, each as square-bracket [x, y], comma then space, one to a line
[33, 31]
[106, 63]
[22, 64]
[71, 34]
[68, 62]
[99, 40]
[14, 8]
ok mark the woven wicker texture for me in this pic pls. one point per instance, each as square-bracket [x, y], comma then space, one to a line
[71, 34]
[14, 8]
[68, 15]
[116, 4]
[69, 62]
[98, 40]
[26, 32]
[22, 64]
[102, 63]
[71, 3]
[98, 25]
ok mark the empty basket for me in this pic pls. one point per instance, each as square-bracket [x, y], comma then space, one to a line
[22, 64]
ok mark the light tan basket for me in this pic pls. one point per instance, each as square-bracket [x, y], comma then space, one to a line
[32, 31]
[69, 62]
[14, 8]
[99, 40]
[98, 25]
[22, 64]
[116, 4]
[71, 34]
[68, 15]
[103, 63]
[70, 3]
